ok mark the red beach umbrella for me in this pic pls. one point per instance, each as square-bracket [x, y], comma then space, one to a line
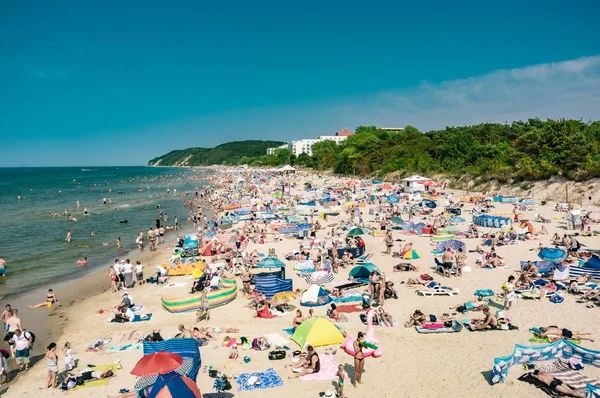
[161, 362]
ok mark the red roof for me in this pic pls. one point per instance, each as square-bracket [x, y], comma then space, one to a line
[344, 133]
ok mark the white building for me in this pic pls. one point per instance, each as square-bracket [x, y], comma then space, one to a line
[271, 151]
[415, 183]
[305, 146]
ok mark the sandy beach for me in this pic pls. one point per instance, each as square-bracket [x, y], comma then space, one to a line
[412, 364]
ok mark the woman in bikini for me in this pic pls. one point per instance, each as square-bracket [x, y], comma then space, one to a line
[50, 299]
[359, 359]
[246, 282]
[297, 320]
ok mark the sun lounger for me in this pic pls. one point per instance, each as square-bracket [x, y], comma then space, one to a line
[456, 327]
[438, 291]
[365, 258]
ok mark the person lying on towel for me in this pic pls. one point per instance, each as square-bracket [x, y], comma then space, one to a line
[556, 384]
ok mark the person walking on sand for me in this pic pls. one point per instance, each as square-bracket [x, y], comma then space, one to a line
[22, 341]
[139, 273]
[359, 358]
[509, 292]
[2, 267]
[52, 365]
[114, 279]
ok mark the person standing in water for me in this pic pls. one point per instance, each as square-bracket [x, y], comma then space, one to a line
[93, 233]
[2, 267]
[119, 241]
[68, 238]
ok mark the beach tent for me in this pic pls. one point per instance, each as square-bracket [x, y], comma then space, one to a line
[523, 354]
[270, 262]
[271, 284]
[491, 221]
[428, 203]
[363, 271]
[174, 385]
[315, 296]
[317, 331]
[186, 348]
[594, 263]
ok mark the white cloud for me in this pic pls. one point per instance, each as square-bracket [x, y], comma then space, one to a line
[569, 89]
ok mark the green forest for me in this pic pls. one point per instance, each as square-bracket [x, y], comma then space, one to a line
[531, 150]
[231, 153]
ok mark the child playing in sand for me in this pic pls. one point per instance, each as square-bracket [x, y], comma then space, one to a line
[341, 376]
[69, 359]
[234, 352]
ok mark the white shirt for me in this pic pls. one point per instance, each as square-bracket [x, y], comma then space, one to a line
[127, 268]
[139, 268]
[117, 268]
[21, 342]
[162, 271]
[129, 314]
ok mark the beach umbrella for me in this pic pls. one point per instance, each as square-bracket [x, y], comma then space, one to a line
[270, 262]
[160, 362]
[173, 385]
[283, 297]
[397, 220]
[552, 255]
[457, 219]
[359, 231]
[452, 244]
[393, 199]
[411, 255]
[428, 203]
[317, 331]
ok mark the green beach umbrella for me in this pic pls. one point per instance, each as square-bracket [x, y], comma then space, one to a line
[359, 231]
[397, 220]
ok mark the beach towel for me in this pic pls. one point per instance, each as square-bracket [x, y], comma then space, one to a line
[142, 318]
[438, 291]
[276, 339]
[349, 308]
[328, 371]
[319, 278]
[127, 347]
[97, 345]
[289, 331]
[133, 336]
[267, 379]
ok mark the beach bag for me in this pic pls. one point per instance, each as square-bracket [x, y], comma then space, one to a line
[426, 277]
[277, 355]
[557, 299]
[260, 344]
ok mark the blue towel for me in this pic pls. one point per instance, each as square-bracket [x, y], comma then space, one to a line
[289, 331]
[268, 379]
[138, 318]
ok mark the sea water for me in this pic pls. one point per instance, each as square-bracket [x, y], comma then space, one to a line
[32, 240]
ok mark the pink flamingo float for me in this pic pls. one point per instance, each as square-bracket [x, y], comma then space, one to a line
[348, 343]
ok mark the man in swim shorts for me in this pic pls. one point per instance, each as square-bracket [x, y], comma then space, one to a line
[2, 267]
[556, 384]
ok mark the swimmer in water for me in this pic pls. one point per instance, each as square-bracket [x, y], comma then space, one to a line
[83, 262]
[119, 241]
[85, 211]
[93, 233]
[68, 238]
[105, 244]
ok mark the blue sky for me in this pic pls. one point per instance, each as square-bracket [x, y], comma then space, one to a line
[103, 83]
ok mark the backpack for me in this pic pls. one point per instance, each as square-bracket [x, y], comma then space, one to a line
[28, 334]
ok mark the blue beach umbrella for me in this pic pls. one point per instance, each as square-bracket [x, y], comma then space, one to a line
[397, 220]
[552, 254]
[175, 385]
[393, 199]
[270, 262]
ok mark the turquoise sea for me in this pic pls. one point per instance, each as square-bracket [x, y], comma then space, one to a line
[32, 240]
